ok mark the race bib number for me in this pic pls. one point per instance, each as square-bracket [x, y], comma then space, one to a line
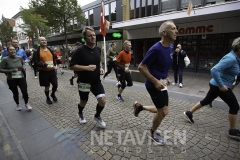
[58, 57]
[127, 66]
[84, 87]
[17, 74]
[50, 64]
[165, 82]
[114, 59]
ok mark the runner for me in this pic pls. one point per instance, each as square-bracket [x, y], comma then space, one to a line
[155, 66]
[223, 75]
[58, 58]
[12, 65]
[123, 64]
[87, 62]
[43, 58]
[111, 64]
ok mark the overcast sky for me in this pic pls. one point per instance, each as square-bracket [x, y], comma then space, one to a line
[9, 8]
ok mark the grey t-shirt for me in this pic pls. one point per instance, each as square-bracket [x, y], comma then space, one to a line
[9, 64]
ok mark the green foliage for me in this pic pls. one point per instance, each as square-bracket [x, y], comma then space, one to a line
[6, 31]
[60, 14]
[34, 24]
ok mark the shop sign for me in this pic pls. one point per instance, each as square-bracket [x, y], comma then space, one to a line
[196, 30]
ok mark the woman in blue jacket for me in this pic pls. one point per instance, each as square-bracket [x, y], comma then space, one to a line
[223, 75]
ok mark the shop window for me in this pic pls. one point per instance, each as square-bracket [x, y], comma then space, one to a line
[232, 36]
[91, 17]
[189, 44]
[211, 51]
[113, 11]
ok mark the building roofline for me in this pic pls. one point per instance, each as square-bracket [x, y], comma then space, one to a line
[16, 15]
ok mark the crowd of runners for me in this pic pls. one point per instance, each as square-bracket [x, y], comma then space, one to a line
[85, 61]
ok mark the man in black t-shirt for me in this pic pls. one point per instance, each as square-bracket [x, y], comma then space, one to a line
[86, 61]
[78, 44]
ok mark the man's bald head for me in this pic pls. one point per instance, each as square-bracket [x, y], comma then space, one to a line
[42, 41]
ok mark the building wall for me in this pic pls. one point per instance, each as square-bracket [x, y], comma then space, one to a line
[194, 28]
[20, 35]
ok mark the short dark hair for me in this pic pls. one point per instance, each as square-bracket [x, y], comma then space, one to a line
[85, 30]
[9, 47]
[112, 44]
[14, 39]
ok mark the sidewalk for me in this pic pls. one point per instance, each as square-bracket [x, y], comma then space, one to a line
[53, 132]
[27, 135]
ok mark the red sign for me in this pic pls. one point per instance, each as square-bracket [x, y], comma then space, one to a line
[194, 30]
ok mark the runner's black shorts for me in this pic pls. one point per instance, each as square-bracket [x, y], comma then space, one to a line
[97, 90]
[159, 98]
[59, 62]
[47, 77]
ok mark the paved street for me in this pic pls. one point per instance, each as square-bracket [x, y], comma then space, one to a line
[125, 135]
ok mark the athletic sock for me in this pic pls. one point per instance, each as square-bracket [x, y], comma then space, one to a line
[152, 131]
[80, 109]
[98, 110]
[47, 95]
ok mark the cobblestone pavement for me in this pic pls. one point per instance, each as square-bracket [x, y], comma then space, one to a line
[125, 135]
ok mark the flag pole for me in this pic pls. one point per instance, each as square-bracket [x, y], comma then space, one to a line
[105, 55]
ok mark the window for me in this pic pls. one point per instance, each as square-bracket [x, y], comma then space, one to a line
[155, 7]
[149, 7]
[132, 8]
[113, 11]
[106, 11]
[86, 16]
[168, 5]
[91, 17]
[143, 11]
[184, 3]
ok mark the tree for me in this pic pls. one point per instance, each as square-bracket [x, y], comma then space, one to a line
[6, 31]
[61, 15]
[34, 24]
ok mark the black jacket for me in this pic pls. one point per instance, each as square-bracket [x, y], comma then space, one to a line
[178, 59]
[36, 58]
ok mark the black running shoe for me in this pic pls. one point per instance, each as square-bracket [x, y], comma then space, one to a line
[136, 109]
[71, 81]
[234, 133]
[49, 101]
[54, 97]
[210, 104]
[188, 115]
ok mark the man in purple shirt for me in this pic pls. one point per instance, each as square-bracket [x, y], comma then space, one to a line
[154, 67]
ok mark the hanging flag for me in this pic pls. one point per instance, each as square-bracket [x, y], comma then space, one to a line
[190, 7]
[104, 24]
[102, 21]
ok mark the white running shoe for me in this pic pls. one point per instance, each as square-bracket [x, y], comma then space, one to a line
[100, 122]
[82, 120]
[180, 85]
[28, 107]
